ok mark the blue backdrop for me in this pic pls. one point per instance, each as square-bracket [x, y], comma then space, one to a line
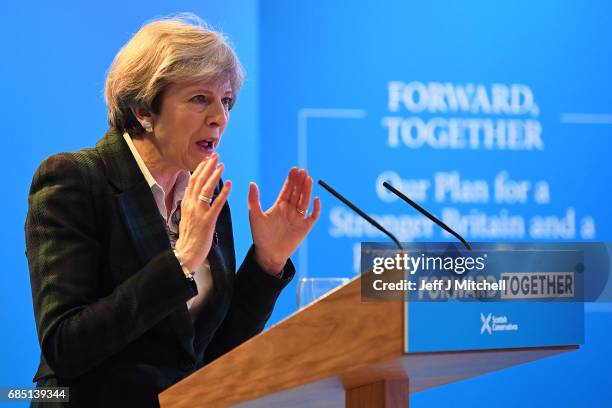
[495, 116]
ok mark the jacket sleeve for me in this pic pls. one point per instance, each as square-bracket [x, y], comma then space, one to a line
[255, 293]
[78, 327]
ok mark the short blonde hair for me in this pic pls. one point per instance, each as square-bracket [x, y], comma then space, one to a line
[176, 49]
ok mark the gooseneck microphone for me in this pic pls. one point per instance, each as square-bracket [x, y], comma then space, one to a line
[365, 216]
[427, 214]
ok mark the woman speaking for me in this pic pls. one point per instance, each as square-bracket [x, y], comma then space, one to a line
[129, 243]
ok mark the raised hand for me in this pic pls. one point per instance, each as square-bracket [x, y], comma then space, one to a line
[279, 231]
[199, 217]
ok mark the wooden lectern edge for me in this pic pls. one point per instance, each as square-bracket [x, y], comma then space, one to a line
[311, 304]
[400, 367]
[325, 338]
[332, 392]
[285, 319]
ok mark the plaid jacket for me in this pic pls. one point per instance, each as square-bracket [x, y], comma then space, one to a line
[108, 293]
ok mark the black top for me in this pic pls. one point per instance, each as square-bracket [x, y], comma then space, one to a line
[109, 295]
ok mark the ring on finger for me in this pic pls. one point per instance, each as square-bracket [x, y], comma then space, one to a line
[205, 199]
[299, 210]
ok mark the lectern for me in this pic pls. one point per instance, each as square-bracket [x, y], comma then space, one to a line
[339, 351]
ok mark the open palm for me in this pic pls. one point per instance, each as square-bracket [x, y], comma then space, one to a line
[279, 231]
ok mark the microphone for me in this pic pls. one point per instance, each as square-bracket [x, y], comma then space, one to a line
[361, 213]
[427, 214]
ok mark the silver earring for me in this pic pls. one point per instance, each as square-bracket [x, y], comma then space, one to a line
[148, 127]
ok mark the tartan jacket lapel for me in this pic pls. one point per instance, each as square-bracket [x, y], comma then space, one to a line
[134, 197]
[142, 218]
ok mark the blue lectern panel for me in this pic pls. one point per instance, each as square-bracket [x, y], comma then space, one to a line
[481, 325]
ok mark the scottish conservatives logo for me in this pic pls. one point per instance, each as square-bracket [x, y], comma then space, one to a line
[492, 323]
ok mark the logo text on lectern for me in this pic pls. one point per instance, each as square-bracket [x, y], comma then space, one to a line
[492, 323]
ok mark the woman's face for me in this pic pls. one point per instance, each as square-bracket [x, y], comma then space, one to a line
[191, 121]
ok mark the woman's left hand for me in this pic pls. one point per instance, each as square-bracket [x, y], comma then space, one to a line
[279, 231]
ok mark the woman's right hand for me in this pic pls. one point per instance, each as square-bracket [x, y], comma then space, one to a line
[198, 218]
